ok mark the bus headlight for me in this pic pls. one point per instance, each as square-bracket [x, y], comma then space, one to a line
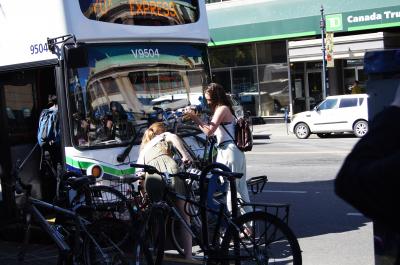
[95, 171]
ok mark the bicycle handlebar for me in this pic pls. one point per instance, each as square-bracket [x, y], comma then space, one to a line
[186, 175]
[146, 168]
[227, 174]
[153, 170]
[124, 179]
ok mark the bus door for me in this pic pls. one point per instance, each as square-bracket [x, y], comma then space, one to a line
[23, 95]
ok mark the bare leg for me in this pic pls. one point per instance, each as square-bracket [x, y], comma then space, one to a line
[186, 237]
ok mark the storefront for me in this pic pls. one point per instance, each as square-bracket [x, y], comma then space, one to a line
[269, 52]
[256, 73]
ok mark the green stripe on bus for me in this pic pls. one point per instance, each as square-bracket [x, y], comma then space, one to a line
[109, 170]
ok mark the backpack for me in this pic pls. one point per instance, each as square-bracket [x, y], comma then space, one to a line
[49, 127]
[243, 134]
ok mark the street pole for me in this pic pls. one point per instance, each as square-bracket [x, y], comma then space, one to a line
[323, 30]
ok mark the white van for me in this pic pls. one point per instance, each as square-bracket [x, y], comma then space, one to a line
[336, 114]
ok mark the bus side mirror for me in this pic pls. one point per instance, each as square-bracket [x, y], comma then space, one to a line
[76, 55]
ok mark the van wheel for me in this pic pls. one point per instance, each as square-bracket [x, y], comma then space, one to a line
[302, 131]
[360, 128]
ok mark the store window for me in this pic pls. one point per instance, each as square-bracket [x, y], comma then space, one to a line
[271, 52]
[244, 55]
[298, 86]
[230, 56]
[223, 77]
[274, 89]
[221, 57]
[353, 70]
[245, 88]
[263, 93]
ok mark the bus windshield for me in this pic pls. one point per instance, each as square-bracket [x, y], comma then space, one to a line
[112, 98]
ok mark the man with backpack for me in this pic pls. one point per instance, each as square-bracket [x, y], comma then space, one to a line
[48, 137]
[49, 128]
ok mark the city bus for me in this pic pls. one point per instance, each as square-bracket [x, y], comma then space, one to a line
[107, 61]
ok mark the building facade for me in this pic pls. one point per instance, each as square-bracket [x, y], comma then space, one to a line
[268, 53]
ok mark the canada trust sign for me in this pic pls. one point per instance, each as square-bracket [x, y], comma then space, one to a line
[373, 17]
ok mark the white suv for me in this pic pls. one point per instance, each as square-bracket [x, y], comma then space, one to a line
[336, 114]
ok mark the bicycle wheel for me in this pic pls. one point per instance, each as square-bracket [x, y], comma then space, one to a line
[174, 230]
[263, 239]
[108, 211]
[149, 242]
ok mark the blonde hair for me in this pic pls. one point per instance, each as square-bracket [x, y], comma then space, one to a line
[155, 129]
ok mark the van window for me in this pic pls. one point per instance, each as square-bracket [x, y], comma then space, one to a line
[360, 101]
[328, 104]
[348, 102]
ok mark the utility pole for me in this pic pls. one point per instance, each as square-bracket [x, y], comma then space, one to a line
[323, 31]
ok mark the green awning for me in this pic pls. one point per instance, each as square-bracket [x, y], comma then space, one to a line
[255, 20]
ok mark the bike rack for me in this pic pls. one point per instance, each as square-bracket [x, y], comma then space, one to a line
[256, 185]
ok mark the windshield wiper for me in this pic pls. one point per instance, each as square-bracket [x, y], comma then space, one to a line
[121, 157]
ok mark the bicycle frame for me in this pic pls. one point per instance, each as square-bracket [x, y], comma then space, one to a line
[31, 208]
[205, 245]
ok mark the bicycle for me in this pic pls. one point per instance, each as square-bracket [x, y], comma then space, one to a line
[146, 248]
[224, 236]
[78, 240]
[255, 184]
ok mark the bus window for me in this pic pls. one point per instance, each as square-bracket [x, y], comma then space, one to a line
[134, 78]
[142, 12]
[19, 105]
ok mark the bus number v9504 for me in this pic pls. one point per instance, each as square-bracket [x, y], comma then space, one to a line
[145, 53]
[38, 48]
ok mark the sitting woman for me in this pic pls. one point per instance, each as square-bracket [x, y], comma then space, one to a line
[155, 150]
[116, 123]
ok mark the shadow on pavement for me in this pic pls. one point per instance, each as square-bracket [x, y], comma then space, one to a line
[314, 207]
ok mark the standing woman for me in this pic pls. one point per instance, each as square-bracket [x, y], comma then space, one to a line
[222, 122]
[155, 151]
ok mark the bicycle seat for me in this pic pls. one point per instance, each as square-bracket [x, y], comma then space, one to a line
[77, 183]
[256, 184]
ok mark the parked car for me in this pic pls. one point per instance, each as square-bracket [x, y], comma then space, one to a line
[195, 99]
[335, 114]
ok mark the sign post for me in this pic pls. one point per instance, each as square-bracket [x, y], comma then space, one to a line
[323, 29]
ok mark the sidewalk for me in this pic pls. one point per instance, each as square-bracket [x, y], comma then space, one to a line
[45, 254]
[36, 254]
[271, 129]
